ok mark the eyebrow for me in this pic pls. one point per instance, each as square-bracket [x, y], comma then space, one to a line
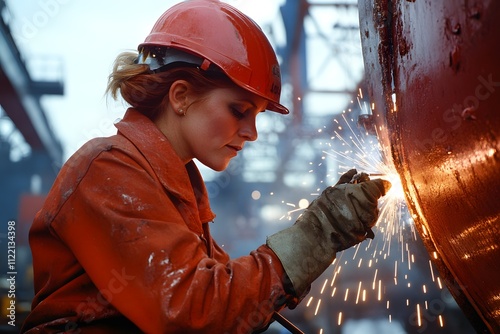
[254, 105]
[250, 102]
[247, 101]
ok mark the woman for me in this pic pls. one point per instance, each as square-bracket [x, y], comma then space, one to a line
[122, 244]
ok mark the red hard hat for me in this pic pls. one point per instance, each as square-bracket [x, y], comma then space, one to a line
[222, 35]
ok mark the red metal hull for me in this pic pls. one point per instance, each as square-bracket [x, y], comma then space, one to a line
[433, 74]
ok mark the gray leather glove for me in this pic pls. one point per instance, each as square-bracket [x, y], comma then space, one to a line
[337, 219]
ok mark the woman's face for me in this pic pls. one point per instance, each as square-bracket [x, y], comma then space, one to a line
[216, 126]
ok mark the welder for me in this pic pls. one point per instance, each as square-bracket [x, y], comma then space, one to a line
[122, 243]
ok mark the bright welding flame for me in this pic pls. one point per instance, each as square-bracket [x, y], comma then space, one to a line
[396, 190]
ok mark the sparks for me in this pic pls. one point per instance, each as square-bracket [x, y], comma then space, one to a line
[359, 289]
[419, 316]
[317, 307]
[395, 233]
[432, 271]
[441, 321]
[324, 285]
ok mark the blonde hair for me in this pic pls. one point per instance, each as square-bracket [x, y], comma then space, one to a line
[147, 91]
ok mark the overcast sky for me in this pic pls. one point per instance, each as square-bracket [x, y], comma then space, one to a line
[79, 41]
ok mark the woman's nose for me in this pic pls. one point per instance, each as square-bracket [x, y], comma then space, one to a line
[248, 129]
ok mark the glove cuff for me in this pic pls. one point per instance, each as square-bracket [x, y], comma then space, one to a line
[304, 255]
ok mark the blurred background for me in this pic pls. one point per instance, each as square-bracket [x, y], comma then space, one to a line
[55, 56]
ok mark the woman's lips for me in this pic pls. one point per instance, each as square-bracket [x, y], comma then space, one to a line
[233, 147]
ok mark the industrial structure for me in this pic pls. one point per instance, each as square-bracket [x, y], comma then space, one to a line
[324, 60]
[31, 155]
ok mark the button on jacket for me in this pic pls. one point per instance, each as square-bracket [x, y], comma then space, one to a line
[122, 245]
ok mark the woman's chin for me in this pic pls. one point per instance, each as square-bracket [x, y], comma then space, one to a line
[218, 166]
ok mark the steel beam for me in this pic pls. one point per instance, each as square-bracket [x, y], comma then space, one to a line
[20, 96]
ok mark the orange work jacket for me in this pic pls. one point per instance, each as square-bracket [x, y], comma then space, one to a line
[122, 245]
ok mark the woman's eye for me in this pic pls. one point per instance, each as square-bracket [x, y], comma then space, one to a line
[237, 113]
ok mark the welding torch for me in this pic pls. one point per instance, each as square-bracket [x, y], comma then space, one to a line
[361, 177]
[286, 323]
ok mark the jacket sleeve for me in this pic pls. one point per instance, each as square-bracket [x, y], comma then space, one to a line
[131, 240]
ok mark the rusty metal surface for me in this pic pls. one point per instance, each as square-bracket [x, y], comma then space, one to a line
[433, 74]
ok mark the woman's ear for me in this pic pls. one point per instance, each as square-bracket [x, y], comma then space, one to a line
[178, 96]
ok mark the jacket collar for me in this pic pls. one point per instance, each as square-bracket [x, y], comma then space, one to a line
[182, 180]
